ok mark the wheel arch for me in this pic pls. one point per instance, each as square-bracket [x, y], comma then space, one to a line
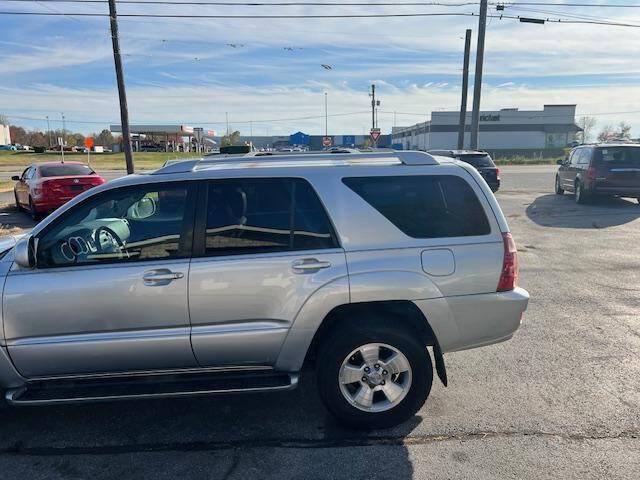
[401, 312]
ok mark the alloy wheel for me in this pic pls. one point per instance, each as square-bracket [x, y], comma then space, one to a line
[375, 377]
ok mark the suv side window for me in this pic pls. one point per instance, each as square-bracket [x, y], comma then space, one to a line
[585, 158]
[421, 206]
[145, 222]
[260, 215]
[575, 156]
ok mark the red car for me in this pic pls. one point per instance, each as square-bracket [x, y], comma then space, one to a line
[43, 187]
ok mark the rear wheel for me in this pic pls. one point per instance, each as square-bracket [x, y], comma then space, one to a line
[372, 375]
[580, 195]
[559, 189]
[33, 211]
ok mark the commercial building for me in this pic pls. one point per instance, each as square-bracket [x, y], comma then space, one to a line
[312, 142]
[506, 129]
[171, 138]
[5, 135]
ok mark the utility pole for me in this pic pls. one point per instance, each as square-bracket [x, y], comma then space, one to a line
[49, 131]
[465, 87]
[226, 114]
[477, 79]
[251, 131]
[373, 106]
[122, 94]
[326, 117]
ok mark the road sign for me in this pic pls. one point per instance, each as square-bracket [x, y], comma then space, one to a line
[89, 143]
[375, 134]
[327, 141]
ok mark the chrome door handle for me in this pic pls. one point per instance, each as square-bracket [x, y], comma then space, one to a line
[309, 265]
[161, 276]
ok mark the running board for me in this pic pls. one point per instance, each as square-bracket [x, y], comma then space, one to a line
[48, 392]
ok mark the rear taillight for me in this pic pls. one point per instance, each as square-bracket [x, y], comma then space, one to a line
[497, 173]
[509, 275]
[591, 173]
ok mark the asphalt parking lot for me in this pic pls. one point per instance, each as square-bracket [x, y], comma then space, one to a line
[559, 400]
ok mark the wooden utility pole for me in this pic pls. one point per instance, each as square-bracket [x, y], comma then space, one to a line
[477, 80]
[124, 111]
[465, 87]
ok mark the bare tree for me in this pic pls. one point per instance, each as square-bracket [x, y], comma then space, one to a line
[607, 133]
[587, 124]
[624, 131]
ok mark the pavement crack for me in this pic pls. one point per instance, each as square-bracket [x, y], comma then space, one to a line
[21, 449]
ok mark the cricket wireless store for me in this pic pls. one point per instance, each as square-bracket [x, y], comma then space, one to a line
[553, 127]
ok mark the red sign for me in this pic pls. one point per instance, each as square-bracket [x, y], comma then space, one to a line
[327, 141]
[375, 134]
[88, 142]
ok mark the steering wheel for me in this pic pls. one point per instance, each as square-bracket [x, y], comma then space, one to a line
[105, 237]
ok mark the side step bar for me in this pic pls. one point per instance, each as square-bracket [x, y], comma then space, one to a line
[48, 392]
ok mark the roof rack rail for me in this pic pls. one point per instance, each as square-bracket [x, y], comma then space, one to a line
[392, 157]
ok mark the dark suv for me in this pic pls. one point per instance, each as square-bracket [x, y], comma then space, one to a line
[602, 169]
[480, 160]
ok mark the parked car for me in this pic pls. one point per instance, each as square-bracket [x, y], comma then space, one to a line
[217, 276]
[43, 187]
[152, 148]
[8, 147]
[482, 161]
[600, 170]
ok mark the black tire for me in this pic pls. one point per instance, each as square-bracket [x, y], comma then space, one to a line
[35, 216]
[580, 196]
[348, 337]
[559, 189]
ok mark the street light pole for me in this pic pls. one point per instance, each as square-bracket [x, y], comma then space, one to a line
[326, 116]
[477, 79]
[465, 86]
[63, 139]
[49, 131]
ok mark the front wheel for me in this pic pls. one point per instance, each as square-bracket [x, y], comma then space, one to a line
[373, 376]
[559, 189]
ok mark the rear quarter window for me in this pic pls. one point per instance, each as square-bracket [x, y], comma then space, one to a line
[421, 206]
[478, 161]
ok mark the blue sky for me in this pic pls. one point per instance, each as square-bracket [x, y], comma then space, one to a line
[185, 70]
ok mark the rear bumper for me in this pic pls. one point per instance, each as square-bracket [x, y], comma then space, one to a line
[471, 321]
[49, 205]
[633, 191]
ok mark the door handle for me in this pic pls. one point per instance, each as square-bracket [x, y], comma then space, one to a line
[162, 276]
[308, 265]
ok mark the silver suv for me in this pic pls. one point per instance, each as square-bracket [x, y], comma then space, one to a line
[230, 275]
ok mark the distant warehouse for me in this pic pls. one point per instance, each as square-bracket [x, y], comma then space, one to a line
[506, 129]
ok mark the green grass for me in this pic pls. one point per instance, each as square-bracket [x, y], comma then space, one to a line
[520, 160]
[10, 161]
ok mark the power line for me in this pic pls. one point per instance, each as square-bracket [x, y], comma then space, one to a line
[548, 4]
[205, 122]
[355, 15]
[257, 4]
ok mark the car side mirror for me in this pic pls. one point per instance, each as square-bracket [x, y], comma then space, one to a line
[25, 252]
[560, 161]
[15, 178]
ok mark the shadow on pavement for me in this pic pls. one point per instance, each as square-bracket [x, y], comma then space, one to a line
[561, 211]
[277, 435]
[13, 221]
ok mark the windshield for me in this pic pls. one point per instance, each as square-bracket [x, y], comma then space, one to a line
[620, 156]
[63, 170]
[482, 160]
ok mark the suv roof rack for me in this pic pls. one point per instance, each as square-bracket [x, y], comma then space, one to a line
[317, 160]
